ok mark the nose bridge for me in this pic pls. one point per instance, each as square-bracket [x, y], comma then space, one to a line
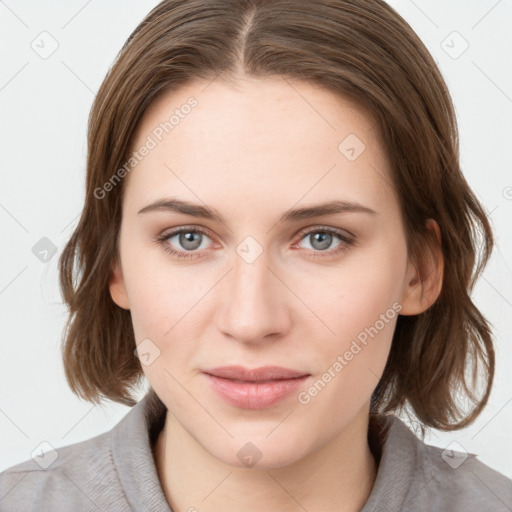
[250, 272]
[253, 305]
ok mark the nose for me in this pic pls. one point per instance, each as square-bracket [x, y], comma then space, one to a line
[255, 302]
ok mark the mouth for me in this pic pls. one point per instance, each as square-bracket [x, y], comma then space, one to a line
[255, 389]
[264, 373]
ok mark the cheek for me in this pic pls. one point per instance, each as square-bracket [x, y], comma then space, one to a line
[359, 304]
[154, 293]
[350, 362]
[154, 282]
[354, 294]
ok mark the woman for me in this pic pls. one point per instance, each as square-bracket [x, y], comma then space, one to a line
[277, 235]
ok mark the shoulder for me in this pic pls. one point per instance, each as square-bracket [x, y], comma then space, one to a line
[458, 481]
[415, 476]
[80, 475]
[113, 471]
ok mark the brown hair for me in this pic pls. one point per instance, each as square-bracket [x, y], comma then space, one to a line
[361, 50]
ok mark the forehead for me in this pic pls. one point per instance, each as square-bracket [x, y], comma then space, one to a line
[271, 140]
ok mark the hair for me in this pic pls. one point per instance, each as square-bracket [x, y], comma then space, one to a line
[361, 50]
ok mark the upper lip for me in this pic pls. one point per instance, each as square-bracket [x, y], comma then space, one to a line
[256, 374]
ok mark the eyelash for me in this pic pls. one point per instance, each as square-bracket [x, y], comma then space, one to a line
[346, 241]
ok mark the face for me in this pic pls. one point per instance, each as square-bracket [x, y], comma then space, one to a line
[254, 285]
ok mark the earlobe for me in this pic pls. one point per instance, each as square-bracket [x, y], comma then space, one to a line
[117, 287]
[424, 280]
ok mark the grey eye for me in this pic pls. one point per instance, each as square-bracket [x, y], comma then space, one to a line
[190, 240]
[320, 240]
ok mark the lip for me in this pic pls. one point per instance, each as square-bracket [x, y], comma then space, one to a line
[255, 375]
[255, 389]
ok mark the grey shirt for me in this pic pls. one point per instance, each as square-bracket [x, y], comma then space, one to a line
[116, 471]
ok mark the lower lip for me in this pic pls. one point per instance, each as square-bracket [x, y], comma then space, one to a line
[255, 395]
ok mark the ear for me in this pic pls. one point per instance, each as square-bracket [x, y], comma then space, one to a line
[117, 287]
[425, 278]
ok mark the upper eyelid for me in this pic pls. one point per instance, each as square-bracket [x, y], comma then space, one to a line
[319, 227]
[301, 233]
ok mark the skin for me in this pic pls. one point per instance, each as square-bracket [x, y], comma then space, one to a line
[252, 152]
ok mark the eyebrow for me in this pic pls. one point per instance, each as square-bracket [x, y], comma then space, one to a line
[293, 215]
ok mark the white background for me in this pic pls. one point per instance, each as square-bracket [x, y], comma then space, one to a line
[44, 108]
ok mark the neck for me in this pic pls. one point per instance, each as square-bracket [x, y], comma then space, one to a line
[337, 476]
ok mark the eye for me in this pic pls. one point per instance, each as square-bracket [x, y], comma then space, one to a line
[189, 238]
[321, 239]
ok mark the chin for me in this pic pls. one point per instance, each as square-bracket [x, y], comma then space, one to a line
[259, 452]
